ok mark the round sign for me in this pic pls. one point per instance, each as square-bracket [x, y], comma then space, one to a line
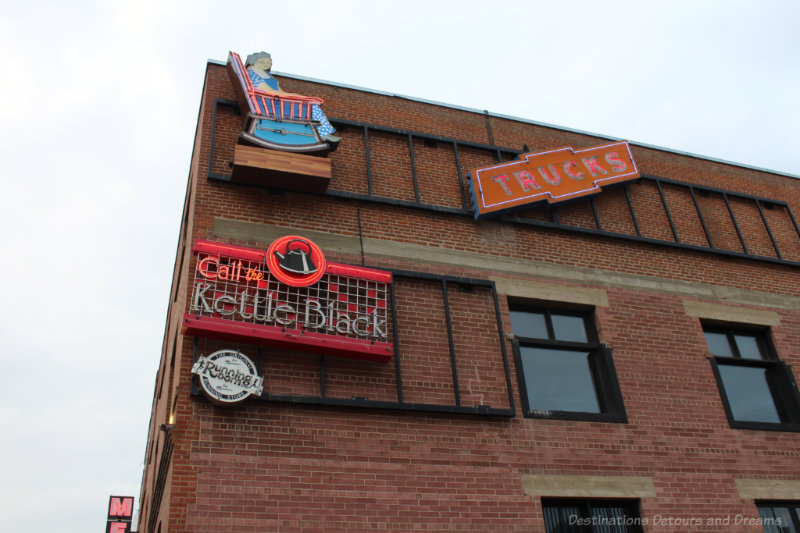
[296, 261]
[228, 377]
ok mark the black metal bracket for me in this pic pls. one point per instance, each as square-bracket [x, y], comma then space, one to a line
[400, 404]
[500, 153]
[218, 102]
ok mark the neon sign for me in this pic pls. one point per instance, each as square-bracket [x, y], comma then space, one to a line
[120, 514]
[266, 298]
[296, 261]
[553, 176]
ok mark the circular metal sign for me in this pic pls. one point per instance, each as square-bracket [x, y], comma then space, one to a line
[296, 261]
[228, 377]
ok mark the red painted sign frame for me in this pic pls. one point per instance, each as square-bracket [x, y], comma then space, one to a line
[253, 254]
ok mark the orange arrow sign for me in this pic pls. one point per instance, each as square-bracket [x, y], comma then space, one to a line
[553, 176]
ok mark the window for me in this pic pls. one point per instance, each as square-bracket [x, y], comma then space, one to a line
[780, 517]
[758, 390]
[589, 516]
[564, 372]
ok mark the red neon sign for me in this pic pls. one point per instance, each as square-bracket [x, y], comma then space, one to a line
[296, 261]
[241, 294]
[120, 514]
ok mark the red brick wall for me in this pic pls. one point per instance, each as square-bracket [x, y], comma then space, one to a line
[282, 467]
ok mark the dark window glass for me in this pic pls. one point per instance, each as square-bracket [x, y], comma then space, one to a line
[559, 380]
[748, 393]
[529, 324]
[564, 372]
[609, 518]
[718, 344]
[748, 346]
[569, 328]
[757, 390]
[782, 517]
[595, 516]
[562, 518]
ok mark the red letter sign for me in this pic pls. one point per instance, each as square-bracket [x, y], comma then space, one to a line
[120, 514]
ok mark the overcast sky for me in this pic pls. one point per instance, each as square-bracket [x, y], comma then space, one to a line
[98, 106]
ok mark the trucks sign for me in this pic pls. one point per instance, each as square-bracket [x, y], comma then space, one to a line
[552, 176]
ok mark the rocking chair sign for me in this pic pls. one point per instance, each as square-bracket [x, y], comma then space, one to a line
[285, 137]
[291, 297]
[275, 118]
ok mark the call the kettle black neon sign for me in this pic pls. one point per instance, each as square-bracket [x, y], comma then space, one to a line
[291, 297]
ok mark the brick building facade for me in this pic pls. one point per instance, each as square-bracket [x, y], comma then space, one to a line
[671, 304]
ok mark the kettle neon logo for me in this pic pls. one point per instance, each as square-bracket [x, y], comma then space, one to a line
[295, 261]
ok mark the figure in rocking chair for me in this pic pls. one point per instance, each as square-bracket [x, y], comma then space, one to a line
[259, 66]
[278, 119]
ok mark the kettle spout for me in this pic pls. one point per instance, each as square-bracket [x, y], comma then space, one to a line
[280, 255]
